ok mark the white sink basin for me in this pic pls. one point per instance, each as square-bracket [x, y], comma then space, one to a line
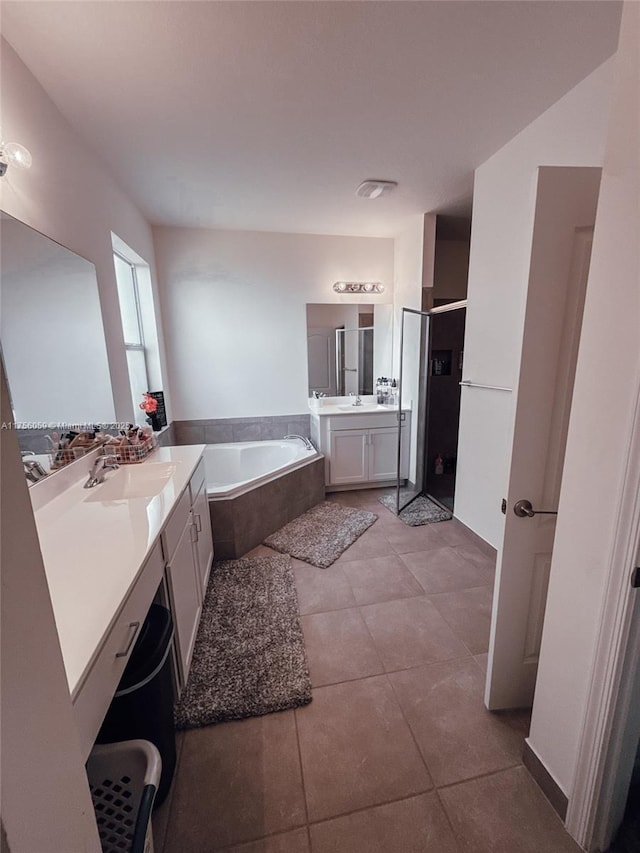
[145, 480]
[366, 407]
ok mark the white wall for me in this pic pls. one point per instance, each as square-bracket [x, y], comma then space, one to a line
[414, 249]
[68, 196]
[605, 393]
[234, 304]
[570, 133]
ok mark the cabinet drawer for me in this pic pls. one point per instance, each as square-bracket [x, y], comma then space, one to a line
[364, 420]
[174, 527]
[197, 481]
[94, 697]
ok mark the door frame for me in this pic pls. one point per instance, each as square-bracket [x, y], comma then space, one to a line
[612, 718]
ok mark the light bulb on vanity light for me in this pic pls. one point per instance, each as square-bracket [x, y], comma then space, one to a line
[358, 287]
[13, 154]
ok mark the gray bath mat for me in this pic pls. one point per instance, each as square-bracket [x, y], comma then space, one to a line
[249, 657]
[321, 534]
[420, 511]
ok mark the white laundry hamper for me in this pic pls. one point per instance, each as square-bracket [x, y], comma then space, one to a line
[123, 778]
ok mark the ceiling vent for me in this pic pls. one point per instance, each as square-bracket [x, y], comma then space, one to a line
[374, 188]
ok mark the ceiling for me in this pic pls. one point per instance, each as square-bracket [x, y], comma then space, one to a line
[267, 115]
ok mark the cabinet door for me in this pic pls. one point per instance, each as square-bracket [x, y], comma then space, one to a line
[383, 453]
[204, 542]
[185, 598]
[349, 456]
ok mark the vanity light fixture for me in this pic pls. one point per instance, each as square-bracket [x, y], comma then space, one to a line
[358, 287]
[374, 188]
[13, 154]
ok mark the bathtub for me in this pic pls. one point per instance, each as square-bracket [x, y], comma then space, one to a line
[234, 468]
[256, 487]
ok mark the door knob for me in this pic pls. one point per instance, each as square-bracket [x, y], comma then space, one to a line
[524, 509]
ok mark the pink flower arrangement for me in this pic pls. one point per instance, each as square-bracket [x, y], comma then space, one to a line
[149, 404]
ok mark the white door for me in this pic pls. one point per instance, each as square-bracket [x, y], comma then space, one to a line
[348, 461]
[185, 598]
[204, 543]
[383, 453]
[565, 211]
[321, 352]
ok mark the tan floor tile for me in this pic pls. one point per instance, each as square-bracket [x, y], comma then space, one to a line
[236, 782]
[372, 543]
[468, 613]
[320, 590]
[455, 533]
[503, 813]
[380, 579]
[411, 632]
[262, 551]
[457, 736]
[482, 661]
[446, 569]
[407, 539]
[339, 647]
[357, 750]
[415, 825]
[291, 842]
[476, 555]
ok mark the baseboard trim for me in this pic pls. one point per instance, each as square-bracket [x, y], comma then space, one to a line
[545, 781]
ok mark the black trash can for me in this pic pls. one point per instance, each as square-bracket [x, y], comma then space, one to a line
[142, 707]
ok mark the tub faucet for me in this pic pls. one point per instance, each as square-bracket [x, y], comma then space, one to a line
[33, 469]
[307, 443]
[96, 475]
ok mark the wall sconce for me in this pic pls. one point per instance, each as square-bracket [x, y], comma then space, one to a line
[13, 154]
[358, 287]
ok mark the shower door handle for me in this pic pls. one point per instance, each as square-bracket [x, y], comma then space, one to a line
[524, 509]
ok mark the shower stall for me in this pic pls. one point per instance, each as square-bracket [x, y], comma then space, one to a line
[430, 372]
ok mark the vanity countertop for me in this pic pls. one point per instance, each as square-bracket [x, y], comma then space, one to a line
[346, 407]
[95, 544]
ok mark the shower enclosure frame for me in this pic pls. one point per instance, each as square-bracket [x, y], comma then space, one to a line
[421, 407]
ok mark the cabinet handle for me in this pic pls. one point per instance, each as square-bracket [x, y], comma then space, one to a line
[135, 626]
[193, 532]
[198, 522]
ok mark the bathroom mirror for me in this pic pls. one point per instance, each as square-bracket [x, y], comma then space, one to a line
[51, 335]
[349, 345]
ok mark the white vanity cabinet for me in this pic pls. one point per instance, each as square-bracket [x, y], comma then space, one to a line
[203, 537]
[94, 694]
[361, 448]
[188, 549]
[184, 595]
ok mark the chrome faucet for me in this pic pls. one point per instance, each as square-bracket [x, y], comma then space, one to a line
[33, 470]
[96, 475]
[307, 443]
[357, 401]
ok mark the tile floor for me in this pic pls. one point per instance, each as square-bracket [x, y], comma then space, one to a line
[396, 752]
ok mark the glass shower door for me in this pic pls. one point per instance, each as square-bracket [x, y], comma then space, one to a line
[431, 345]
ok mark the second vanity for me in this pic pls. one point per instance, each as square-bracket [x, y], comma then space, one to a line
[360, 442]
[143, 534]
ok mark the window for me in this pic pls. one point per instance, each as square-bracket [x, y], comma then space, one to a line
[135, 296]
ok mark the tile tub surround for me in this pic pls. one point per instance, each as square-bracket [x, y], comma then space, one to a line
[224, 430]
[242, 522]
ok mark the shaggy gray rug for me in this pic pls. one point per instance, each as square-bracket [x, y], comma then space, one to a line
[321, 534]
[420, 511]
[249, 658]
